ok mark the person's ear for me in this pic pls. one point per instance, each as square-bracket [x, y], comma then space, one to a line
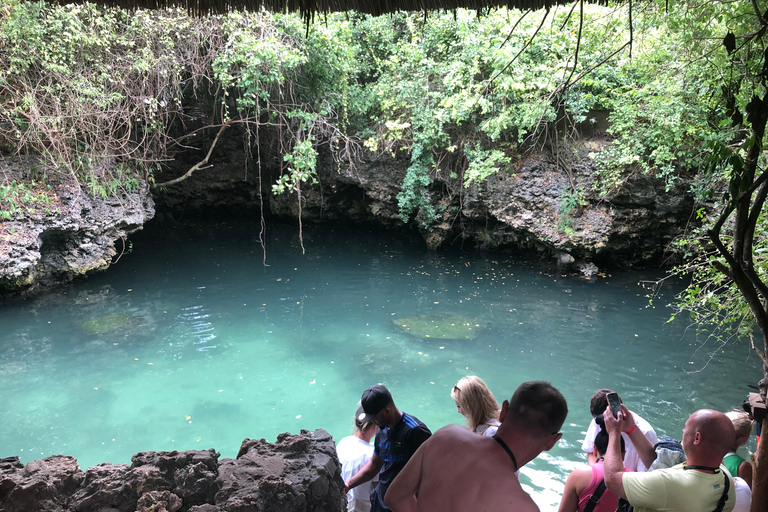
[595, 453]
[553, 441]
[504, 409]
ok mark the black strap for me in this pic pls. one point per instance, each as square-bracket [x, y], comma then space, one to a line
[727, 486]
[595, 498]
[724, 497]
[702, 468]
[509, 452]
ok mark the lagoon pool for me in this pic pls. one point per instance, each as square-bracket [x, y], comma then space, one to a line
[191, 342]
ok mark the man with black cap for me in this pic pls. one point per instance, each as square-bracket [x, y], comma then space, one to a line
[399, 436]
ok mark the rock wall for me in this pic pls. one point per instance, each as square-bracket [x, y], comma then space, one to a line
[298, 473]
[520, 211]
[78, 234]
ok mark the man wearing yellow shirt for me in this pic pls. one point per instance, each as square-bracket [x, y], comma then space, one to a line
[699, 485]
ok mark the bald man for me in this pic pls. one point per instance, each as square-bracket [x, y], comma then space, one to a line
[700, 485]
[458, 471]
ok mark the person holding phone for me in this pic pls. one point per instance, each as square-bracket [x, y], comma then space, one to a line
[702, 484]
[597, 405]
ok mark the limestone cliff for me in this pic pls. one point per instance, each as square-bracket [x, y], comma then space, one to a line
[72, 235]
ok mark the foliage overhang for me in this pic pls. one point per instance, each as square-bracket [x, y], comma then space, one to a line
[308, 8]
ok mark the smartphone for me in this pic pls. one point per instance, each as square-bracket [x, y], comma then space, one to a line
[614, 403]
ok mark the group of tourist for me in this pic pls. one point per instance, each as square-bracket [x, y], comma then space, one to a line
[476, 468]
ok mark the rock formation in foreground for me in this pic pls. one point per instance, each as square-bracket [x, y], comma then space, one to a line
[298, 473]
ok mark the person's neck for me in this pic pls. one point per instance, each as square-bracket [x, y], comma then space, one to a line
[704, 461]
[397, 416]
[524, 446]
[359, 434]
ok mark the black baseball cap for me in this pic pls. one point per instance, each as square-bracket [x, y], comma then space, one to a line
[374, 400]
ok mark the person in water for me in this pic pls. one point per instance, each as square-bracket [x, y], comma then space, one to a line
[457, 470]
[354, 452]
[399, 436]
[585, 486]
[477, 404]
[736, 465]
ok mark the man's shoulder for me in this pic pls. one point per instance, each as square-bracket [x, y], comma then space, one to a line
[413, 423]
[642, 424]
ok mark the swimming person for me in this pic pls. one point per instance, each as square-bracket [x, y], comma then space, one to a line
[477, 404]
[354, 452]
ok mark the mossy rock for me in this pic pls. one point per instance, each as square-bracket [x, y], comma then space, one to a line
[442, 326]
[108, 323]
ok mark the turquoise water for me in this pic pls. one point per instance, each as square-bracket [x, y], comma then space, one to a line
[190, 342]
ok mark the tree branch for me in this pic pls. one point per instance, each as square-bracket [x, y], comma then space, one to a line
[200, 164]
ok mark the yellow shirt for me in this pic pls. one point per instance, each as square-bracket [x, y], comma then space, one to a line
[678, 490]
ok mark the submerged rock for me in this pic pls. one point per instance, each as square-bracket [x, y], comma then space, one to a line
[444, 326]
[298, 473]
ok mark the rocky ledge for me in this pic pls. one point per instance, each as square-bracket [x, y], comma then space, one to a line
[68, 235]
[298, 473]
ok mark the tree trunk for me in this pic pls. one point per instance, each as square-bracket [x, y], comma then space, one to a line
[760, 478]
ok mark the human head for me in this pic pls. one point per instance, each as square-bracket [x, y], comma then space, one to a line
[601, 440]
[598, 402]
[708, 435]
[365, 429]
[475, 401]
[537, 408]
[376, 406]
[742, 424]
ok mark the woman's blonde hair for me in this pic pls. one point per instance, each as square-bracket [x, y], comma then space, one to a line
[477, 402]
[741, 423]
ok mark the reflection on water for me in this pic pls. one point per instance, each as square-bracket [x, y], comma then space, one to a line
[192, 343]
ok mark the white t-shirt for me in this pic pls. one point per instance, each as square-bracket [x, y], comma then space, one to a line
[353, 454]
[743, 495]
[632, 458]
[488, 429]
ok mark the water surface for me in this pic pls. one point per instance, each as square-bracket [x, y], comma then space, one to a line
[191, 342]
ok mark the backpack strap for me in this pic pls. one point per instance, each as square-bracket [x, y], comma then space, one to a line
[724, 497]
[595, 498]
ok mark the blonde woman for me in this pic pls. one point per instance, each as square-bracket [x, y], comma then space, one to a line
[735, 464]
[477, 404]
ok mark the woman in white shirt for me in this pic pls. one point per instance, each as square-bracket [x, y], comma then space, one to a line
[477, 404]
[354, 452]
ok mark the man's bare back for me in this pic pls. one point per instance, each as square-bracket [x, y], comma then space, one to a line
[457, 470]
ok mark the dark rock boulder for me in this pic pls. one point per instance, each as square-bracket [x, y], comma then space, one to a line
[298, 473]
[41, 485]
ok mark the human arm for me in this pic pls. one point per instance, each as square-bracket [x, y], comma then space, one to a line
[745, 472]
[401, 494]
[643, 446]
[573, 486]
[588, 445]
[369, 471]
[614, 462]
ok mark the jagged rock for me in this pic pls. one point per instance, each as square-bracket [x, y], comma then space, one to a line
[76, 237]
[41, 485]
[158, 501]
[298, 473]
